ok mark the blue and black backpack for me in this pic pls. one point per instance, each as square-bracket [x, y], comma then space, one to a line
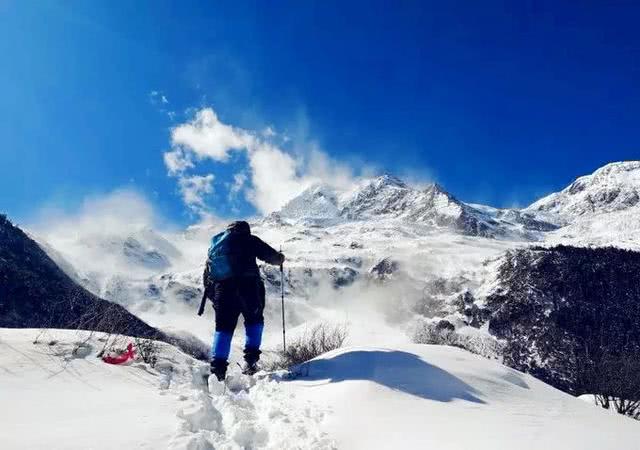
[219, 257]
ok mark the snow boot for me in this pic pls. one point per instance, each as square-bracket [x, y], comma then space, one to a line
[251, 357]
[249, 369]
[219, 368]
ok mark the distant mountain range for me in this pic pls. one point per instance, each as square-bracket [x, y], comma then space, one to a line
[614, 188]
[336, 238]
[387, 197]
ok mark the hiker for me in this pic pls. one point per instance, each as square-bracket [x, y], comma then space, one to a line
[233, 283]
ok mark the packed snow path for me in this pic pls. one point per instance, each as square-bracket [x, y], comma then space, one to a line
[246, 413]
[57, 394]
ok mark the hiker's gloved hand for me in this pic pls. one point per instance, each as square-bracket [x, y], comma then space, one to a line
[281, 255]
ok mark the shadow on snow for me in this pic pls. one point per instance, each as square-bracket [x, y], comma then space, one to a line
[396, 370]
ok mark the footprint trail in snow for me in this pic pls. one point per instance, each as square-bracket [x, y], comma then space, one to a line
[253, 413]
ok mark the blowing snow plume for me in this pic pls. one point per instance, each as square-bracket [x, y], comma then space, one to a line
[118, 233]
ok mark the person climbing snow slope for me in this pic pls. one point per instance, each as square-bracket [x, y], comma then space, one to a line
[232, 282]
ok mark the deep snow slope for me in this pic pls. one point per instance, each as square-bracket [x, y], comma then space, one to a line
[422, 396]
[53, 397]
[399, 396]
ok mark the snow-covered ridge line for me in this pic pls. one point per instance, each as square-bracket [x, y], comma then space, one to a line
[614, 187]
[389, 197]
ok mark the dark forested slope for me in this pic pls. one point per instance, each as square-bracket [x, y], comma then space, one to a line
[35, 293]
[571, 316]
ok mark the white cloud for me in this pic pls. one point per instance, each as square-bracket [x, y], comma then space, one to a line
[269, 132]
[239, 180]
[177, 161]
[157, 97]
[207, 137]
[274, 174]
[90, 236]
[193, 189]
[161, 102]
[117, 211]
[322, 167]
[274, 178]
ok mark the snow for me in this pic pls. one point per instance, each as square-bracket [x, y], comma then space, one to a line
[53, 399]
[421, 396]
[400, 396]
[316, 258]
[613, 187]
[316, 203]
[618, 228]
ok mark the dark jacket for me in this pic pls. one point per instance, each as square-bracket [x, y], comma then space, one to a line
[245, 248]
[244, 289]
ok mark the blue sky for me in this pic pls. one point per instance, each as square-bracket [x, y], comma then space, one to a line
[500, 102]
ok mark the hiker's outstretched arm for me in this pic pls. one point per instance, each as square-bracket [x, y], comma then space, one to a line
[266, 253]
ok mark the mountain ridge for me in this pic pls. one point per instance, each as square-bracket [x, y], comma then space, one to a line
[388, 197]
[613, 187]
[335, 238]
[35, 292]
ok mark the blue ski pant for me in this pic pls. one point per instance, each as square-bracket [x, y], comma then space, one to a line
[231, 298]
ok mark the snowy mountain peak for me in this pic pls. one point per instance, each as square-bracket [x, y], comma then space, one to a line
[388, 197]
[388, 180]
[614, 187]
[619, 167]
[437, 191]
[436, 187]
[384, 195]
[319, 201]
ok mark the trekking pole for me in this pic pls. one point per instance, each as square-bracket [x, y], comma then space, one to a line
[203, 302]
[284, 335]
